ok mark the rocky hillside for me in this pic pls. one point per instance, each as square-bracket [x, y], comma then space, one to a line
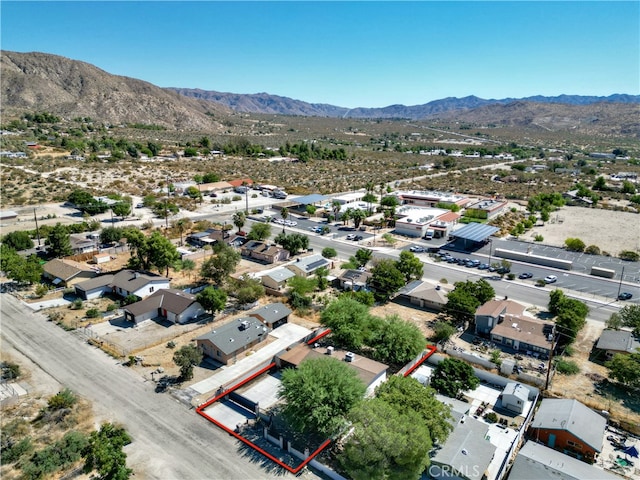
[70, 88]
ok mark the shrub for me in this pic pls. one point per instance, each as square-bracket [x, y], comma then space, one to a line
[63, 399]
[111, 307]
[41, 290]
[171, 344]
[629, 255]
[93, 313]
[491, 417]
[511, 276]
[592, 250]
[538, 238]
[14, 451]
[10, 371]
[574, 245]
[76, 304]
[567, 367]
[540, 282]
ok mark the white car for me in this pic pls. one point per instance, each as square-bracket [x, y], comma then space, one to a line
[351, 236]
[550, 279]
[416, 249]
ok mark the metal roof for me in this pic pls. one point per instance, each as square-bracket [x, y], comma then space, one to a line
[476, 232]
[311, 199]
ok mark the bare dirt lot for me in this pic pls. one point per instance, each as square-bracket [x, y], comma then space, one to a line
[610, 230]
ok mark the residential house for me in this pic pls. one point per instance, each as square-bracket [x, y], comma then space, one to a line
[273, 315]
[173, 305]
[307, 266]
[525, 334]
[125, 282]
[535, 461]
[487, 315]
[66, 273]
[200, 239]
[466, 454]
[514, 397]
[277, 279]
[425, 295]
[569, 427]
[573, 198]
[228, 341]
[83, 244]
[371, 373]
[355, 280]
[264, 252]
[617, 341]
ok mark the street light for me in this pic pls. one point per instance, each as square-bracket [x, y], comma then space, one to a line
[490, 248]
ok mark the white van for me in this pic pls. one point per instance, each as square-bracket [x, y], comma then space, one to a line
[429, 234]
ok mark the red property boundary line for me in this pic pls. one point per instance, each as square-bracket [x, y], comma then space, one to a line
[200, 411]
[432, 349]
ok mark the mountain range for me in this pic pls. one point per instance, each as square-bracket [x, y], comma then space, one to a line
[71, 88]
[266, 103]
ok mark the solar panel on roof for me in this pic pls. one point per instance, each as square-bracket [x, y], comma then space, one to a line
[476, 232]
[316, 264]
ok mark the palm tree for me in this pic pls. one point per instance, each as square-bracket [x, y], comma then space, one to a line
[336, 206]
[239, 219]
[182, 224]
[284, 213]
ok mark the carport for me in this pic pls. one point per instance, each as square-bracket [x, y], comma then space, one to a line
[474, 233]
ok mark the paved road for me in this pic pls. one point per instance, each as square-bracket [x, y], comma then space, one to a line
[170, 441]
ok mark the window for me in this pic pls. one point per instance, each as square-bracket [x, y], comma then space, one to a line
[574, 444]
[151, 289]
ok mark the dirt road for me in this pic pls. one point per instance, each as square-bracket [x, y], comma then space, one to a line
[170, 441]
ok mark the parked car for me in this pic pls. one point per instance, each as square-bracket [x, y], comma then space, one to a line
[140, 205]
[358, 238]
[525, 275]
[451, 260]
[416, 249]
[483, 266]
[625, 296]
[550, 279]
[351, 236]
[345, 228]
[503, 270]
[473, 263]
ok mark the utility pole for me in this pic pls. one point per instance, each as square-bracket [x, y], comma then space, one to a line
[166, 210]
[37, 229]
[546, 383]
[620, 284]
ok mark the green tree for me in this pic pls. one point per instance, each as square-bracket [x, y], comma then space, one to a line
[160, 252]
[212, 299]
[182, 225]
[386, 279]
[574, 245]
[239, 219]
[294, 243]
[18, 240]
[442, 331]
[259, 231]
[121, 209]
[319, 394]
[104, 453]
[628, 187]
[397, 341]
[165, 209]
[410, 266]
[210, 177]
[321, 275]
[329, 252]
[569, 323]
[614, 322]
[186, 358]
[21, 269]
[408, 393]
[387, 443]
[466, 297]
[630, 316]
[248, 290]
[301, 285]
[349, 321]
[555, 300]
[357, 216]
[284, 213]
[221, 264]
[362, 256]
[59, 242]
[625, 368]
[453, 375]
[600, 183]
[111, 234]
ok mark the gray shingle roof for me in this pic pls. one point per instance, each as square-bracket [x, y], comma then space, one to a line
[620, 340]
[572, 416]
[231, 337]
[312, 262]
[536, 461]
[281, 274]
[131, 280]
[170, 299]
[64, 269]
[272, 313]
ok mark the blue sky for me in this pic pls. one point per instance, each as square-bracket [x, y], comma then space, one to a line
[350, 54]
